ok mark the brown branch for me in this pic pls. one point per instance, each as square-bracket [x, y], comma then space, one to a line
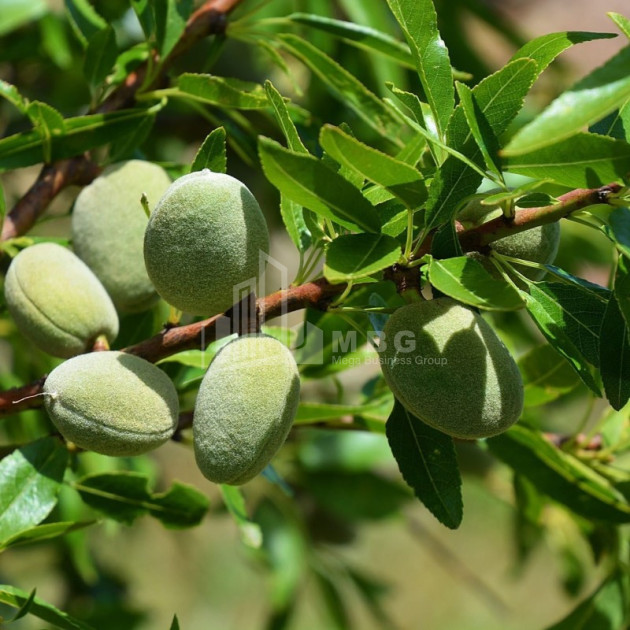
[209, 19]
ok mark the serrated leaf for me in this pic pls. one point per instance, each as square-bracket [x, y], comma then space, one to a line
[100, 56]
[293, 218]
[400, 179]
[170, 21]
[592, 98]
[211, 153]
[418, 20]
[614, 355]
[16, 598]
[221, 91]
[251, 534]
[445, 242]
[571, 327]
[605, 609]
[426, 458]
[467, 280]
[353, 256]
[585, 160]
[283, 118]
[560, 475]
[44, 532]
[124, 496]
[308, 182]
[10, 93]
[85, 21]
[81, 134]
[546, 375]
[359, 35]
[615, 125]
[345, 85]
[30, 479]
[544, 49]
[499, 98]
[17, 13]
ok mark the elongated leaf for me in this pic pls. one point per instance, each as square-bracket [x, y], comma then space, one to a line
[353, 256]
[546, 375]
[614, 355]
[16, 13]
[170, 21]
[84, 19]
[81, 134]
[11, 94]
[586, 160]
[606, 609]
[251, 534]
[621, 21]
[309, 183]
[544, 49]
[145, 15]
[124, 496]
[47, 612]
[622, 286]
[418, 21]
[211, 153]
[560, 475]
[345, 85]
[499, 98]
[618, 230]
[468, 281]
[428, 464]
[592, 98]
[571, 327]
[402, 180]
[445, 242]
[284, 119]
[44, 532]
[221, 91]
[293, 218]
[100, 56]
[30, 479]
[615, 125]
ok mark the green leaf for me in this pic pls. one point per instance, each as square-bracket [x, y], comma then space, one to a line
[598, 94]
[363, 37]
[428, 464]
[445, 242]
[345, 85]
[85, 21]
[622, 286]
[175, 623]
[30, 479]
[124, 496]
[44, 532]
[544, 49]
[606, 609]
[418, 21]
[10, 93]
[560, 475]
[586, 160]
[569, 319]
[124, 146]
[284, 119]
[615, 125]
[621, 21]
[170, 21]
[479, 128]
[619, 230]
[499, 98]
[614, 355]
[293, 218]
[402, 180]
[221, 91]
[17, 13]
[308, 182]
[251, 534]
[81, 134]
[100, 56]
[546, 375]
[468, 281]
[353, 256]
[24, 608]
[16, 598]
[146, 17]
[211, 153]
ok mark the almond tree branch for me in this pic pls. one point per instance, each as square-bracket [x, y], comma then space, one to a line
[317, 295]
[209, 19]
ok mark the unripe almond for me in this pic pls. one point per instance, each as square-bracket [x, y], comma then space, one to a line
[57, 302]
[204, 239]
[245, 407]
[112, 403]
[448, 367]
